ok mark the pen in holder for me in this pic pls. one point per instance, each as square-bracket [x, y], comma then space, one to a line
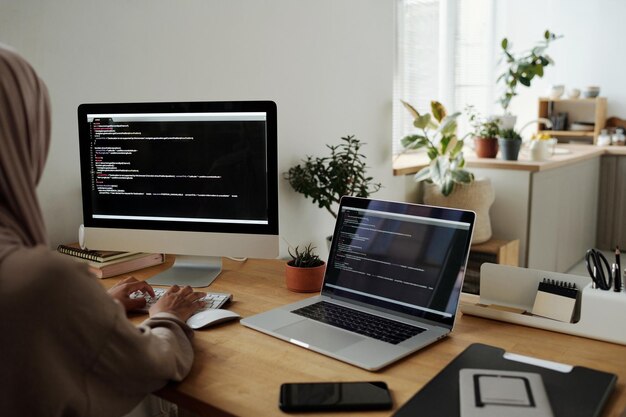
[617, 272]
[555, 300]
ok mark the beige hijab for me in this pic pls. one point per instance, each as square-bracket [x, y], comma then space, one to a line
[24, 141]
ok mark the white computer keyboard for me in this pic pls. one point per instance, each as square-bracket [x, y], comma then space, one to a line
[212, 299]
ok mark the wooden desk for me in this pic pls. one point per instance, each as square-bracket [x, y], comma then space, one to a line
[238, 371]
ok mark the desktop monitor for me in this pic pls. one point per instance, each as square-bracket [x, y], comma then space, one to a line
[195, 179]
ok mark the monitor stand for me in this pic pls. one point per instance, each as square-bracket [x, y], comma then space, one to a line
[195, 271]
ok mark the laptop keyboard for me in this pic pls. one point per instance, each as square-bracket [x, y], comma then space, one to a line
[389, 331]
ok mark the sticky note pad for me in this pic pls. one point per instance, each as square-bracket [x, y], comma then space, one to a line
[555, 300]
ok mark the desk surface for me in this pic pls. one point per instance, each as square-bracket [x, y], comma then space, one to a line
[238, 371]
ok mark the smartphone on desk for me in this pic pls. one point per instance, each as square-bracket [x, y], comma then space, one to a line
[335, 396]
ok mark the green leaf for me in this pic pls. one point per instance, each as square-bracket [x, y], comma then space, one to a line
[438, 169]
[435, 171]
[422, 121]
[524, 81]
[438, 111]
[432, 153]
[457, 162]
[458, 147]
[448, 126]
[414, 141]
[411, 109]
[422, 174]
[539, 70]
[461, 176]
[546, 34]
[504, 43]
[444, 143]
[447, 187]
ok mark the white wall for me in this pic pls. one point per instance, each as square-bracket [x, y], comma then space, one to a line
[328, 64]
[591, 51]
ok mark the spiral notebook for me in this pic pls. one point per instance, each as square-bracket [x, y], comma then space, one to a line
[74, 249]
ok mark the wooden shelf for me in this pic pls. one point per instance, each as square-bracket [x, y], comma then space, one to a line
[578, 109]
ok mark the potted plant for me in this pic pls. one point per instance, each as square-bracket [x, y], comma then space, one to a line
[325, 180]
[521, 69]
[485, 133]
[446, 181]
[510, 142]
[437, 134]
[305, 271]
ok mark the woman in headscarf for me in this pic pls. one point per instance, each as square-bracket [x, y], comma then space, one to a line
[66, 346]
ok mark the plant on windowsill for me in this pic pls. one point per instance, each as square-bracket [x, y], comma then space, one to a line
[485, 133]
[521, 69]
[305, 271]
[510, 142]
[325, 180]
[446, 181]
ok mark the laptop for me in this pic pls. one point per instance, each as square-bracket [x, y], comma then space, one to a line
[392, 284]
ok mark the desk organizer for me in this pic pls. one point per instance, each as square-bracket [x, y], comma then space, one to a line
[505, 289]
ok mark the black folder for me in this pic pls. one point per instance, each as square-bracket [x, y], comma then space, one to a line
[582, 392]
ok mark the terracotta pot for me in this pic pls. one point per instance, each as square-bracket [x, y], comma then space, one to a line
[477, 196]
[486, 147]
[304, 279]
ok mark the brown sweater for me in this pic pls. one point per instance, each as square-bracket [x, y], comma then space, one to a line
[67, 349]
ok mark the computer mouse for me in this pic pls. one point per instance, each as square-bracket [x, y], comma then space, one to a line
[210, 317]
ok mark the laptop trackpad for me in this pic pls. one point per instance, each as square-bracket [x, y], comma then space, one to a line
[319, 335]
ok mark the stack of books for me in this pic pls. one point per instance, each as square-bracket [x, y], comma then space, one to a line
[104, 264]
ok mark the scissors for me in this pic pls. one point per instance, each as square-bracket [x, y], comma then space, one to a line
[599, 269]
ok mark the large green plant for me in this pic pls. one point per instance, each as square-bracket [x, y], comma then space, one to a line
[437, 134]
[522, 68]
[325, 180]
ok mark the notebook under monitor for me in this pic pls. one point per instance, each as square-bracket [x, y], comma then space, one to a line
[392, 284]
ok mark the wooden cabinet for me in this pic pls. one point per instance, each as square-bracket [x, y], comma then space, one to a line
[588, 110]
[497, 251]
